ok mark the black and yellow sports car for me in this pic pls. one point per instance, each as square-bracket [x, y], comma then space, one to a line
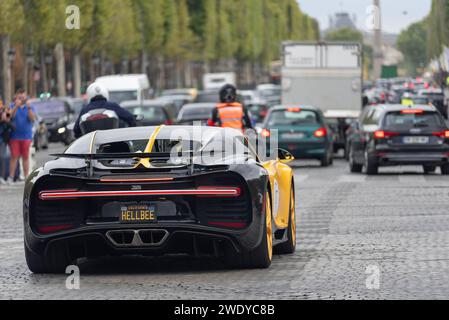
[159, 190]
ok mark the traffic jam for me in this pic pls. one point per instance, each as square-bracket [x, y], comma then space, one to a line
[322, 179]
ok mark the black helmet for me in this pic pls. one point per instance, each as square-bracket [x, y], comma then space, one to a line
[228, 94]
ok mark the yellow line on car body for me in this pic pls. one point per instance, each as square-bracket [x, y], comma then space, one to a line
[146, 162]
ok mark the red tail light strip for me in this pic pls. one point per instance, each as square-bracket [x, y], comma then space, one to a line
[235, 225]
[51, 229]
[135, 179]
[205, 191]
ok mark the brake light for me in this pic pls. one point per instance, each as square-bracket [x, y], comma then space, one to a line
[294, 109]
[265, 133]
[168, 122]
[202, 191]
[234, 225]
[320, 133]
[443, 134]
[380, 134]
[51, 229]
[412, 111]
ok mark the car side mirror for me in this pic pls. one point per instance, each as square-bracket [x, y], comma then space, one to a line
[285, 156]
[139, 117]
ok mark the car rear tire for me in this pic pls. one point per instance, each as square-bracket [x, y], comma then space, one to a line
[445, 169]
[260, 257]
[354, 167]
[289, 246]
[372, 168]
[325, 161]
[429, 169]
[38, 265]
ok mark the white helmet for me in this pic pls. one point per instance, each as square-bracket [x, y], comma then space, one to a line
[97, 89]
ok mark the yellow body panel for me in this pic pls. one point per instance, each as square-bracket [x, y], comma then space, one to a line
[281, 177]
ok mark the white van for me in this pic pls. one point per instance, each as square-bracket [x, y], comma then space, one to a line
[212, 81]
[126, 87]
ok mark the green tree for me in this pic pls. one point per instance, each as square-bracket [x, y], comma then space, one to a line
[11, 22]
[412, 43]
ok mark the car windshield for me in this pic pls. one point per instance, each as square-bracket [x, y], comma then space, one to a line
[120, 96]
[297, 117]
[50, 108]
[399, 121]
[149, 113]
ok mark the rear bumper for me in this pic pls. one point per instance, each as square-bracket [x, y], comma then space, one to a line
[412, 158]
[306, 150]
[170, 238]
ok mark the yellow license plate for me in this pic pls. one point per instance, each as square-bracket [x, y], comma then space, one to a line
[138, 213]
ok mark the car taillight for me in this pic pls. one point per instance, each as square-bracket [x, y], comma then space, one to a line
[51, 229]
[443, 134]
[265, 133]
[380, 134]
[320, 133]
[412, 111]
[168, 122]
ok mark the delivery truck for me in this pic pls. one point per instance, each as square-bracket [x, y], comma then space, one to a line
[324, 75]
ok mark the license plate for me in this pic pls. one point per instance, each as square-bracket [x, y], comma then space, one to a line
[293, 135]
[416, 140]
[138, 213]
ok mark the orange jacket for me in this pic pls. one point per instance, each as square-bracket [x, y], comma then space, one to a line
[231, 115]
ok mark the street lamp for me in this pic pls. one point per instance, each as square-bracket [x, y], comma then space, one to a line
[11, 55]
[30, 56]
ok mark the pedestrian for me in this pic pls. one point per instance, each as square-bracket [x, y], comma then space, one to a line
[23, 116]
[5, 134]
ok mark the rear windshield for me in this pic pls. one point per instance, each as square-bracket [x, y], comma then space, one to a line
[285, 117]
[149, 113]
[196, 113]
[120, 96]
[401, 121]
[207, 98]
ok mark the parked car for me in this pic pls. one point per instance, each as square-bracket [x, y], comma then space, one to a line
[195, 112]
[391, 135]
[302, 130]
[149, 113]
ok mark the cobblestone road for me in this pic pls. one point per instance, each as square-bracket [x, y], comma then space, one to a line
[397, 223]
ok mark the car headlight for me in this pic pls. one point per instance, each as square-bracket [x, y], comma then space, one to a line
[62, 130]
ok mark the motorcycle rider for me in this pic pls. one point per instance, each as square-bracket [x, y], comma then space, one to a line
[230, 113]
[98, 96]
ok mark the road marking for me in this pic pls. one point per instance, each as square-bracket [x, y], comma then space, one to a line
[352, 178]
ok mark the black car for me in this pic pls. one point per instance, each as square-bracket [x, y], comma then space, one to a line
[400, 135]
[159, 190]
[56, 114]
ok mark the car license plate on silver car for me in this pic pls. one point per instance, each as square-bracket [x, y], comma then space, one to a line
[416, 140]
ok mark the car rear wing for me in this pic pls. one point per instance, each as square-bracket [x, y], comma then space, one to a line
[90, 157]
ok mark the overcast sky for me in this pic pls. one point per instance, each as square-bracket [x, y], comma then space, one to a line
[396, 14]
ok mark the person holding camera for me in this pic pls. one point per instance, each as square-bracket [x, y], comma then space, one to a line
[5, 134]
[23, 116]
